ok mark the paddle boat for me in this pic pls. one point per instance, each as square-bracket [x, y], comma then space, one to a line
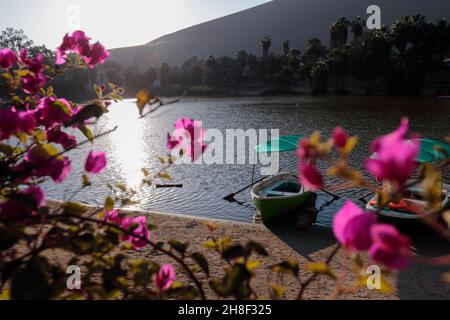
[278, 195]
[282, 193]
[413, 202]
[412, 207]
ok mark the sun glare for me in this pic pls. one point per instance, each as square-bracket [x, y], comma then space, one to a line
[127, 142]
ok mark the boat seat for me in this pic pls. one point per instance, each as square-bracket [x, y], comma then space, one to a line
[282, 188]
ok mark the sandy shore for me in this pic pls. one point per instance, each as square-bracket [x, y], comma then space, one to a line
[284, 241]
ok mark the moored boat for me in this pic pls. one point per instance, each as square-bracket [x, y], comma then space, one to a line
[278, 195]
[411, 208]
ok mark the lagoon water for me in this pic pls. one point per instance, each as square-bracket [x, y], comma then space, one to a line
[137, 143]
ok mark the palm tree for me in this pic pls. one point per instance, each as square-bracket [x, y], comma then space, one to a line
[266, 42]
[315, 51]
[241, 59]
[442, 40]
[286, 47]
[164, 72]
[339, 33]
[357, 27]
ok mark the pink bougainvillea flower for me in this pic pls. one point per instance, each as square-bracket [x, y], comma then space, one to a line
[97, 55]
[351, 227]
[57, 169]
[24, 204]
[303, 150]
[392, 138]
[95, 162]
[139, 227]
[7, 58]
[390, 247]
[68, 44]
[37, 194]
[136, 225]
[53, 111]
[27, 121]
[340, 137]
[113, 216]
[188, 136]
[43, 166]
[55, 135]
[310, 177]
[12, 121]
[395, 158]
[172, 143]
[34, 81]
[165, 277]
[78, 42]
[9, 122]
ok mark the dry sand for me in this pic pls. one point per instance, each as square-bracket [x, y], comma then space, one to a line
[284, 241]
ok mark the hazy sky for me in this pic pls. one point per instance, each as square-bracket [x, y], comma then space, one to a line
[115, 23]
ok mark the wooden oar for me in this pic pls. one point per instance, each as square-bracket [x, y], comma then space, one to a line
[230, 197]
[335, 196]
[158, 186]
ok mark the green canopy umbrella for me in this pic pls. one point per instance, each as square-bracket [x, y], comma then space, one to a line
[282, 144]
[429, 153]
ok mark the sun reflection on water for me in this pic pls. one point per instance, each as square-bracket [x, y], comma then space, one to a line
[127, 143]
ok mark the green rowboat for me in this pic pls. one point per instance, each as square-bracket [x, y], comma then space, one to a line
[278, 195]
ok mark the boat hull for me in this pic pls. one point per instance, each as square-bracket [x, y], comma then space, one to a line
[274, 207]
[271, 209]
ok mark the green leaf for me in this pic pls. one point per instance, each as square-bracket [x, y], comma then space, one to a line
[6, 149]
[109, 204]
[142, 98]
[234, 252]
[83, 244]
[5, 295]
[63, 107]
[164, 175]
[94, 110]
[159, 244]
[23, 73]
[200, 259]
[74, 208]
[187, 292]
[98, 91]
[320, 268]
[289, 266]
[277, 292]
[252, 264]
[37, 280]
[143, 270]
[178, 246]
[236, 283]
[44, 151]
[114, 96]
[50, 91]
[146, 172]
[86, 131]
[256, 247]
[86, 181]
[161, 159]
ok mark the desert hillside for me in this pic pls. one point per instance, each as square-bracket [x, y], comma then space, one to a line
[294, 20]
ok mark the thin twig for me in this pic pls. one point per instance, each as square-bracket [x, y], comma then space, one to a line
[152, 244]
[308, 281]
